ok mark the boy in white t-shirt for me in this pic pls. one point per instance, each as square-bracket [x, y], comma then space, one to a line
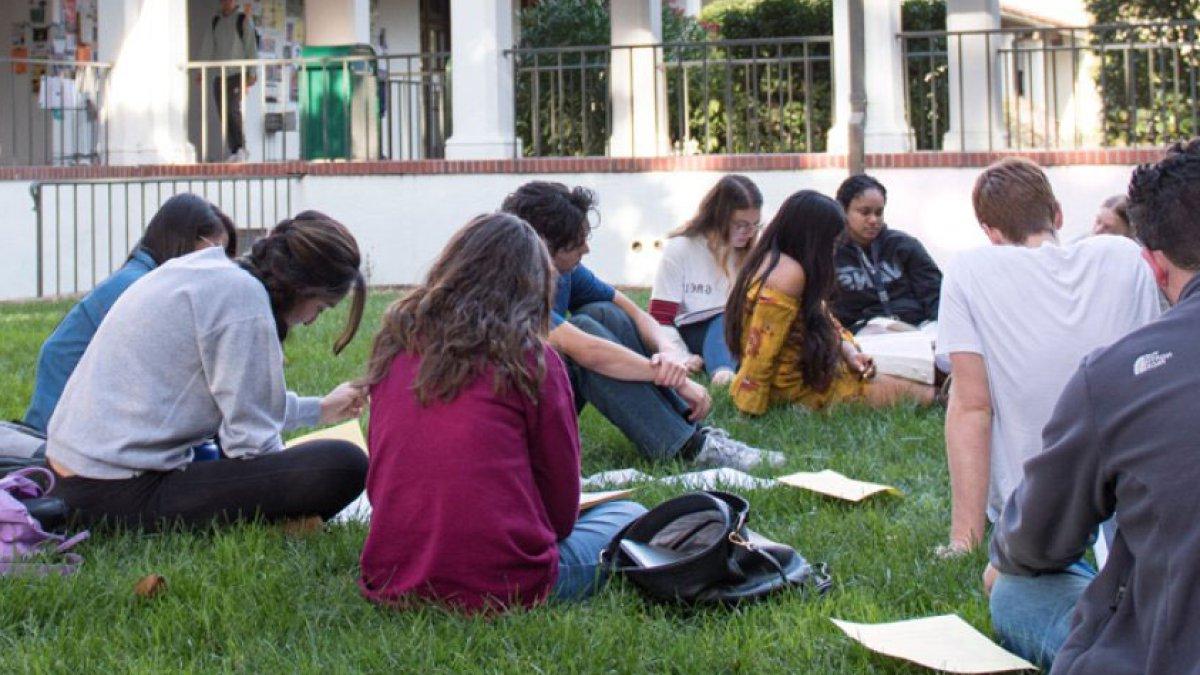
[1015, 320]
[699, 264]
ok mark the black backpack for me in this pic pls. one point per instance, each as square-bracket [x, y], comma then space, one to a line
[697, 549]
[241, 28]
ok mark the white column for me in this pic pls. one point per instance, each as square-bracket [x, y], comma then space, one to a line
[337, 22]
[639, 111]
[145, 106]
[481, 78]
[976, 90]
[885, 128]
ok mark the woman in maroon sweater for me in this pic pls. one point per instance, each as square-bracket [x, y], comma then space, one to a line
[474, 478]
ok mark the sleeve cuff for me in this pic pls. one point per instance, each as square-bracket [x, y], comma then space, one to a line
[302, 411]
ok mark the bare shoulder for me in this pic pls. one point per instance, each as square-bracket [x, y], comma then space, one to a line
[787, 277]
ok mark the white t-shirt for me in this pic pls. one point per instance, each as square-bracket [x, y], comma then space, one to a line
[690, 276]
[1033, 314]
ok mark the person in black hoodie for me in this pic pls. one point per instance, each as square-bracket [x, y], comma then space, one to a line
[881, 272]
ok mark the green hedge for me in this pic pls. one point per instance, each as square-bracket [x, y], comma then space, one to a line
[720, 99]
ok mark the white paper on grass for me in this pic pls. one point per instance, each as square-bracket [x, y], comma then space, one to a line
[945, 643]
[710, 479]
[834, 484]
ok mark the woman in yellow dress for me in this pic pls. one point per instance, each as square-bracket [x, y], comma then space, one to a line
[778, 322]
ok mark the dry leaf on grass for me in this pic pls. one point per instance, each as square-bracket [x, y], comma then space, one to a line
[298, 527]
[150, 586]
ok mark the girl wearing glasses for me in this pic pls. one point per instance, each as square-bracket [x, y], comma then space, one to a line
[700, 261]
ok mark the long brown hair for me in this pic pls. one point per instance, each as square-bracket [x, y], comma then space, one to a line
[714, 218]
[806, 228]
[485, 302]
[309, 256]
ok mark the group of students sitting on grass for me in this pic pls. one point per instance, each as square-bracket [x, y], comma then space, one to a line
[476, 378]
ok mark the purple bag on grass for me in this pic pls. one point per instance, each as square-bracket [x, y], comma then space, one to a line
[22, 536]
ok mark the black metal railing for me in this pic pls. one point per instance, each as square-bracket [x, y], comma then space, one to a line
[86, 228]
[731, 96]
[360, 107]
[1113, 85]
[53, 113]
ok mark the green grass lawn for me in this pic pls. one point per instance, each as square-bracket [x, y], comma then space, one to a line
[253, 599]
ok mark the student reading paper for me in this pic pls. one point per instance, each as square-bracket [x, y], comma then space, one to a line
[474, 478]
[194, 351]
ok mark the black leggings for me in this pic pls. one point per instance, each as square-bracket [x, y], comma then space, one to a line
[318, 478]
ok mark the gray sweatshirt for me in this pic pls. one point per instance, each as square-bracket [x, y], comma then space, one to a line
[1124, 438]
[222, 42]
[188, 352]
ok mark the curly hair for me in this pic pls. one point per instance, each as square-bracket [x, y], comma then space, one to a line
[1164, 199]
[485, 302]
[714, 218]
[309, 256]
[806, 229]
[557, 213]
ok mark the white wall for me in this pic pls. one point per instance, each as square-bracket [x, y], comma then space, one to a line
[402, 222]
[18, 240]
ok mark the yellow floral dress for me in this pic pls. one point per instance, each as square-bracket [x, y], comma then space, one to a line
[770, 371]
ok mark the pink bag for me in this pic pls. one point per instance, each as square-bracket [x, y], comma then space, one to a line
[22, 536]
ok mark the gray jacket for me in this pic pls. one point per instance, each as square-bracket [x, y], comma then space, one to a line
[189, 352]
[1124, 438]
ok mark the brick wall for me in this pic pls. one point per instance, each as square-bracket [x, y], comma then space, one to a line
[592, 165]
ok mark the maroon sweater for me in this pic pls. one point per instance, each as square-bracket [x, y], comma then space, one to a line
[469, 498]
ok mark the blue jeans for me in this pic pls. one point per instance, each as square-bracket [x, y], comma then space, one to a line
[653, 418]
[707, 338]
[1032, 615]
[579, 571]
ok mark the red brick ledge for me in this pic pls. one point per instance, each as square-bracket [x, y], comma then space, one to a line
[551, 165]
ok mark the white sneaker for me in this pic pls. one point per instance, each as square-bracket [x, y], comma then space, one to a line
[721, 450]
[238, 157]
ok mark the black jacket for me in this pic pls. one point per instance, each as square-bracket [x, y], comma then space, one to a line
[911, 278]
[1123, 438]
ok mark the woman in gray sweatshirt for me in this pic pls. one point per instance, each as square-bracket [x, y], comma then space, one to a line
[193, 351]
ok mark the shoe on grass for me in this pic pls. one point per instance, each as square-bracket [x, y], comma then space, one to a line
[720, 450]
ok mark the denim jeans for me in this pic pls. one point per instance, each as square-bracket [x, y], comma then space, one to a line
[1032, 615]
[707, 338]
[579, 571]
[653, 418]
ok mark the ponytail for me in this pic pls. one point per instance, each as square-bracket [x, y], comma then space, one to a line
[310, 255]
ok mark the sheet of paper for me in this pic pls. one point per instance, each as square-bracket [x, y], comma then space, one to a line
[709, 479]
[945, 643]
[346, 431]
[834, 484]
[589, 499]
[714, 479]
[615, 478]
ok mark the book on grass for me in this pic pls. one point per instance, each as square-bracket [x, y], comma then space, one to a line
[588, 500]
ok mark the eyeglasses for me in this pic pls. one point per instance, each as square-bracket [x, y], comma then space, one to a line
[746, 226]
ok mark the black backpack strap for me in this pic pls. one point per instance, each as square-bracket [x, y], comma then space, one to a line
[241, 26]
